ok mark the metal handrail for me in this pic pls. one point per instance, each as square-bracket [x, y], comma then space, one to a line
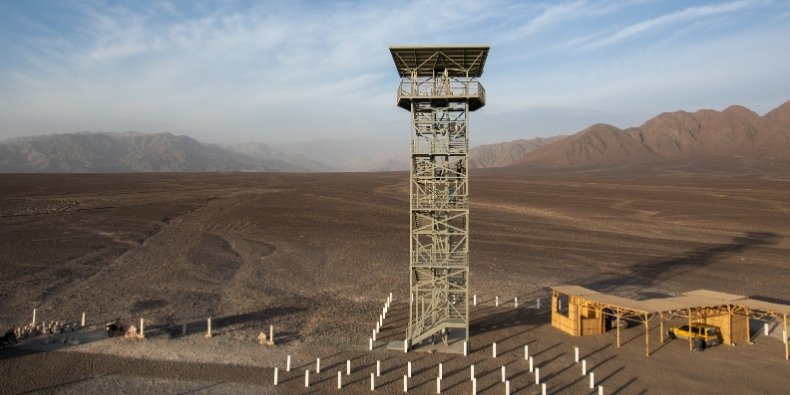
[430, 88]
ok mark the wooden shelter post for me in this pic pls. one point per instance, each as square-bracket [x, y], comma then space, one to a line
[599, 314]
[647, 335]
[661, 326]
[618, 327]
[787, 348]
[748, 330]
[691, 346]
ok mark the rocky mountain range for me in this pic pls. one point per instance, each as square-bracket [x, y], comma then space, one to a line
[735, 136]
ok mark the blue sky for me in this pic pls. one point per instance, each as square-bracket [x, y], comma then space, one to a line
[288, 71]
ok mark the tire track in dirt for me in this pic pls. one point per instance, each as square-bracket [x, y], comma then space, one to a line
[645, 226]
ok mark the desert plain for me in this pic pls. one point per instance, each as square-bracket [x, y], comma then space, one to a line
[316, 255]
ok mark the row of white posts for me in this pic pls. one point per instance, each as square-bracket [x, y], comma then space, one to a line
[527, 357]
[376, 331]
[439, 378]
[380, 322]
[496, 301]
[406, 377]
[35, 318]
[339, 373]
[209, 332]
[532, 369]
[584, 370]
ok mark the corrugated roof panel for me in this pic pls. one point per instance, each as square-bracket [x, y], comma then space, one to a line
[429, 60]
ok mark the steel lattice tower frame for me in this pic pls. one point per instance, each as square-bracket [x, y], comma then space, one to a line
[439, 87]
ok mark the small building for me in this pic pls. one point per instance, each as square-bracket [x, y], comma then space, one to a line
[579, 311]
[572, 312]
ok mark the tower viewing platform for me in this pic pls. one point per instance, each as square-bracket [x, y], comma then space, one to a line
[440, 75]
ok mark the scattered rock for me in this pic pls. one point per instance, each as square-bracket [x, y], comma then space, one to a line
[262, 340]
[132, 333]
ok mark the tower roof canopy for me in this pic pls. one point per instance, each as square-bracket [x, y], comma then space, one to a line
[428, 60]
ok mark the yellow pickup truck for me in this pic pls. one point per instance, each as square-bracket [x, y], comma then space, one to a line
[702, 335]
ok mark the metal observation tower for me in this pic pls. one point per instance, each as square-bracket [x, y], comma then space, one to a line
[439, 87]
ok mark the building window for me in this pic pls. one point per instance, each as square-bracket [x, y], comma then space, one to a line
[562, 304]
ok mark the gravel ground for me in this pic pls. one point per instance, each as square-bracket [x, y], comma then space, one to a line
[315, 255]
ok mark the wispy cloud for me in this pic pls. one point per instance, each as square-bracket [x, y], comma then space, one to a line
[544, 17]
[685, 15]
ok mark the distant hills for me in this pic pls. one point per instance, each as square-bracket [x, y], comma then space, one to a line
[704, 139]
[363, 154]
[710, 139]
[507, 153]
[137, 152]
[164, 152]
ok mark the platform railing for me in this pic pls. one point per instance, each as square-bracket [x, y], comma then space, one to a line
[457, 88]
